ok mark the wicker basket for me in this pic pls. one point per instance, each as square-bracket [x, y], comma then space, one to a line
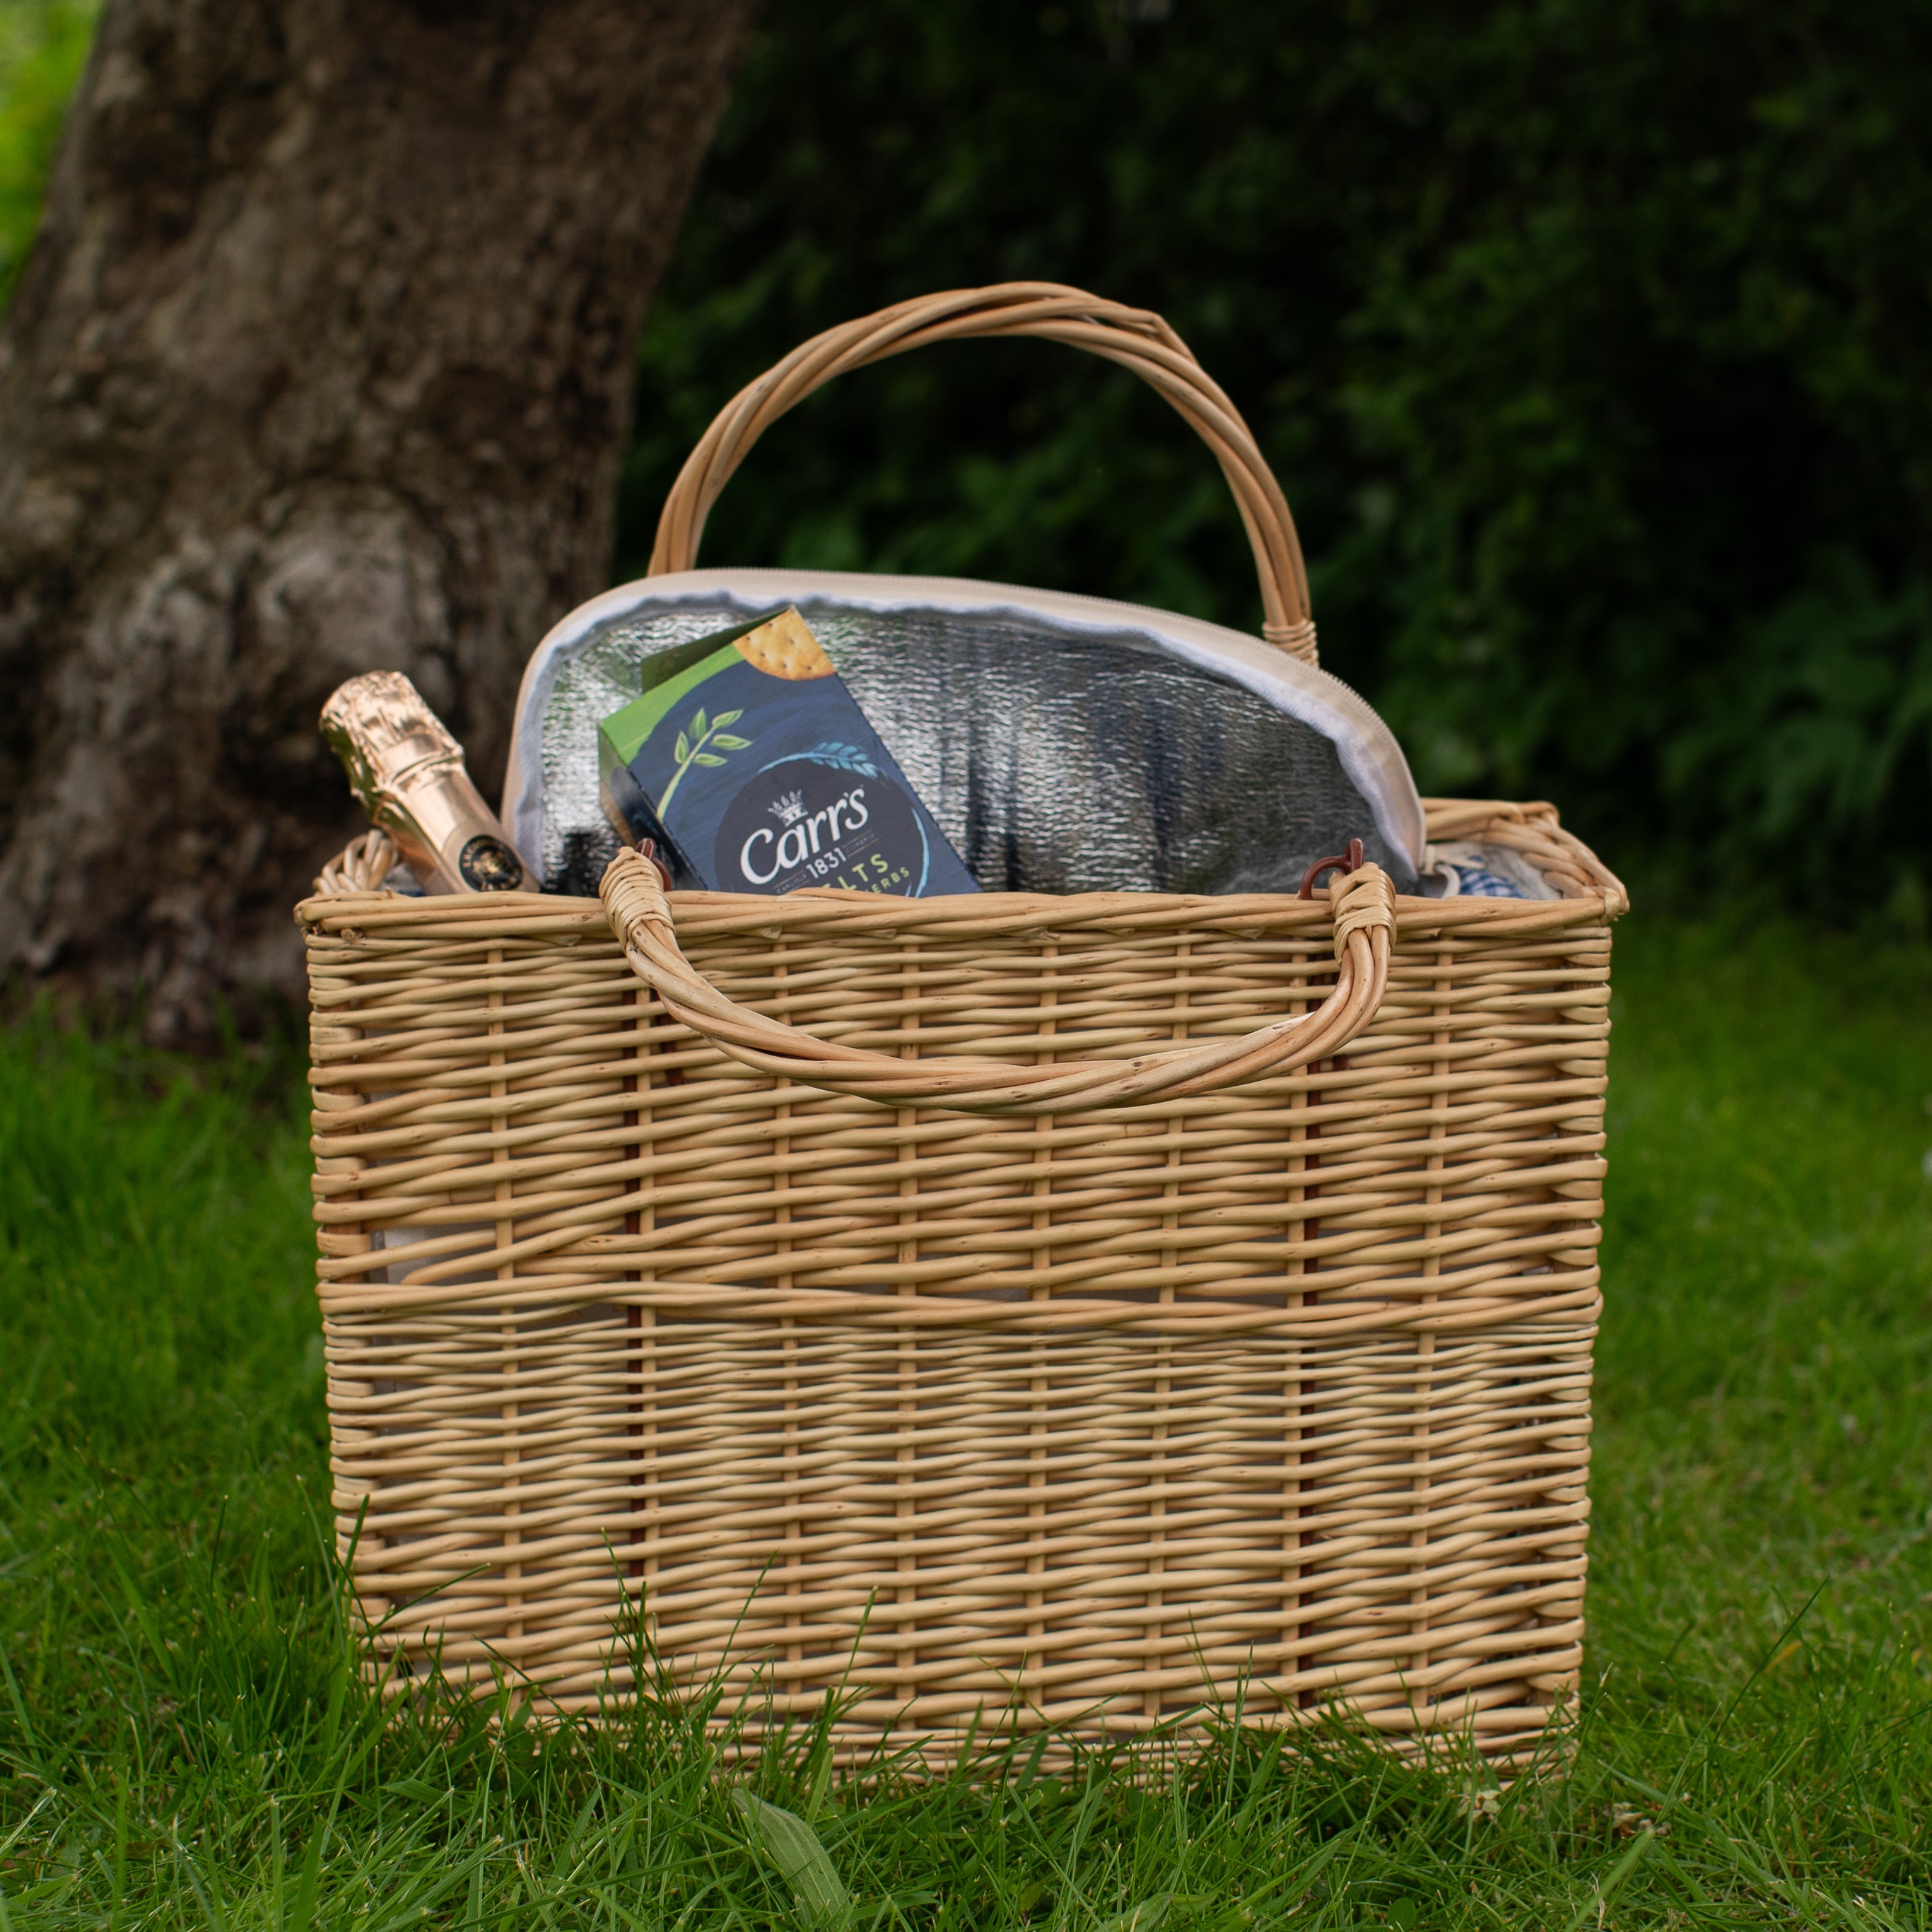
[998, 1311]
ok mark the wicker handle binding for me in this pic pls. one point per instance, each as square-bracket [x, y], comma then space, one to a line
[1363, 906]
[1136, 338]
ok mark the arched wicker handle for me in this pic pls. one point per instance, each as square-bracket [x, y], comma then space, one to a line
[1363, 905]
[1135, 338]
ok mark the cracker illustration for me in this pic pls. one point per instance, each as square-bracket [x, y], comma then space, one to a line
[782, 646]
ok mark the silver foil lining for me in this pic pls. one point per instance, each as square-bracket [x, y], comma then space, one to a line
[1056, 758]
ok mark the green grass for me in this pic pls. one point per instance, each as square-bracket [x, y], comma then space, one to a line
[183, 1741]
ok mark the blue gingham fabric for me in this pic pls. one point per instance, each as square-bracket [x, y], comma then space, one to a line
[1478, 882]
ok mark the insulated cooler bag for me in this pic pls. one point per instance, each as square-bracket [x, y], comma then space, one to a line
[1086, 1309]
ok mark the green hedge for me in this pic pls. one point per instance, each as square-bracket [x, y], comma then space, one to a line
[1592, 341]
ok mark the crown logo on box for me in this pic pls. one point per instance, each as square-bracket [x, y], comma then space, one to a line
[789, 809]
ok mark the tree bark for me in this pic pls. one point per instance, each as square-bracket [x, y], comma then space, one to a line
[321, 363]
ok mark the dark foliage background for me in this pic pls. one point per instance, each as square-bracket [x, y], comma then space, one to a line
[1591, 340]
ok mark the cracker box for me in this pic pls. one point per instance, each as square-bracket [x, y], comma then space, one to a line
[751, 764]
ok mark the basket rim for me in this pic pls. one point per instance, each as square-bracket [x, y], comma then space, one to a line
[1591, 895]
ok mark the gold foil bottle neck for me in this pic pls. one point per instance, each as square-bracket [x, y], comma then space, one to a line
[383, 732]
[407, 773]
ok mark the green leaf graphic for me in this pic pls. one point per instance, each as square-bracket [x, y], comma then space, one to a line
[699, 731]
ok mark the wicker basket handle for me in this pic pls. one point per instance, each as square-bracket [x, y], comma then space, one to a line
[1135, 338]
[1363, 906]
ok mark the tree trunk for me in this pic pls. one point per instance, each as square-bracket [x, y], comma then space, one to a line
[321, 363]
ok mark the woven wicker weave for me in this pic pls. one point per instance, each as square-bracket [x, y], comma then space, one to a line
[999, 1310]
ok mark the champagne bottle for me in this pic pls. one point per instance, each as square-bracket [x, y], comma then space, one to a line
[408, 774]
